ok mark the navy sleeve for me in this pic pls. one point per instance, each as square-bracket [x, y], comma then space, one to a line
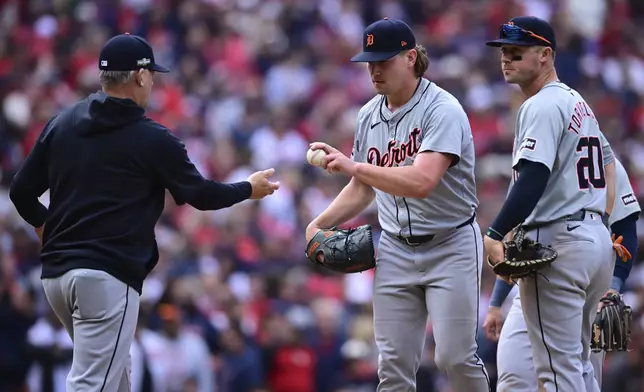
[627, 228]
[500, 292]
[32, 180]
[523, 197]
[171, 164]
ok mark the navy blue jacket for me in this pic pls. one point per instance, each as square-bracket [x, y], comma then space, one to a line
[107, 167]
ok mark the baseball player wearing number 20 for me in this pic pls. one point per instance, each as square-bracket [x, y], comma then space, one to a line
[414, 153]
[514, 355]
[558, 196]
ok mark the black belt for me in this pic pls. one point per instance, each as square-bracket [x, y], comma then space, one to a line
[416, 240]
[578, 216]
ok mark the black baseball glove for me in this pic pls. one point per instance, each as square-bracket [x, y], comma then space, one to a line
[346, 250]
[612, 326]
[523, 257]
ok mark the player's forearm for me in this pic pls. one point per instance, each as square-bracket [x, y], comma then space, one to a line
[26, 202]
[351, 201]
[500, 292]
[609, 171]
[523, 198]
[403, 181]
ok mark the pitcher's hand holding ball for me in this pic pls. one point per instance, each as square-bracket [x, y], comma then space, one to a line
[316, 157]
[335, 161]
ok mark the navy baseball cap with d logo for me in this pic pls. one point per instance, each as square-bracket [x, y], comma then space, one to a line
[526, 31]
[126, 52]
[384, 39]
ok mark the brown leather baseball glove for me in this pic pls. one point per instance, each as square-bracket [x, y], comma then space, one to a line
[344, 250]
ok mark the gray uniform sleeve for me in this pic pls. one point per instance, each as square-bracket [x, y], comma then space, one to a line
[607, 152]
[444, 128]
[541, 126]
[625, 200]
[358, 153]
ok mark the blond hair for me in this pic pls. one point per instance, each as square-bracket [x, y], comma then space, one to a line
[422, 61]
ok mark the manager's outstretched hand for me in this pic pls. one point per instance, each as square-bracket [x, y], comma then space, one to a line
[262, 187]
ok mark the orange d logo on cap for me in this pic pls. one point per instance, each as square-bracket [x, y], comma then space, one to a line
[370, 39]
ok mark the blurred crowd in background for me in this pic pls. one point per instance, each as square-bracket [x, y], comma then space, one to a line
[233, 305]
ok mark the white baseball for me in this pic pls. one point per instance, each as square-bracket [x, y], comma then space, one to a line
[315, 157]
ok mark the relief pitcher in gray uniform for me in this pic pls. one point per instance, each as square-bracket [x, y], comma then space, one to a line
[414, 154]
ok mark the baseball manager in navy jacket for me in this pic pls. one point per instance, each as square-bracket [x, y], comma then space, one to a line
[107, 168]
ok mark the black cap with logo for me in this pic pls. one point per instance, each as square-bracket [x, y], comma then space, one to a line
[526, 31]
[384, 39]
[126, 52]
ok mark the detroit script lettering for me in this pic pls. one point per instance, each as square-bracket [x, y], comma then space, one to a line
[395, 155]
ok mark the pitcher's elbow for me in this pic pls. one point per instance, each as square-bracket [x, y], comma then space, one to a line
[423, 189]
[417, 193]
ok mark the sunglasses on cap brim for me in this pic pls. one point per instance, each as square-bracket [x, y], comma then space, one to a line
[516, 33]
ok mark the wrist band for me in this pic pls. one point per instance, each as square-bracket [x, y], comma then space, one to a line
[495, 235]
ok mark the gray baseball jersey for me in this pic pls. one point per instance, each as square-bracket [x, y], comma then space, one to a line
[557, 128]
[607, 153]
[432, 120]
[625, 200]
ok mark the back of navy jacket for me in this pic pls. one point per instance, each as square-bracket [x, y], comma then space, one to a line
[107, 167]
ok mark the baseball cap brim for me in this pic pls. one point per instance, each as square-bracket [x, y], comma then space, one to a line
[501, 42]
[160, 68]
[367, 57]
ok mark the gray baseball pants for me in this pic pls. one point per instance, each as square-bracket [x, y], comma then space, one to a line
[439, 279]
[560, 304]
[100, 314]
[515, 363]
